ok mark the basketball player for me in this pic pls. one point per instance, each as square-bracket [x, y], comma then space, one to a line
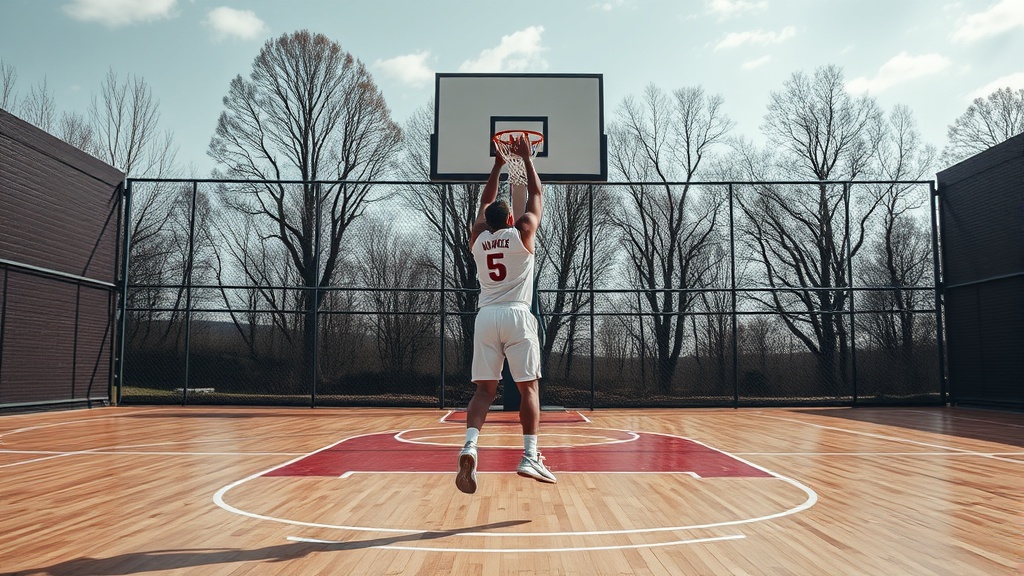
[503, 248]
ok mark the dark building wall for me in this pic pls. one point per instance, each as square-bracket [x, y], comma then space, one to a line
[59, 210]
[982, 211]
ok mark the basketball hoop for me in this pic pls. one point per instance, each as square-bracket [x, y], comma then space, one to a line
[516, 167]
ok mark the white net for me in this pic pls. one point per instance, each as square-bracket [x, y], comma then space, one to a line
[514, 164]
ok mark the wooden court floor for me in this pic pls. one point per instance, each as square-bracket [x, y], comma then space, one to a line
[293, 491]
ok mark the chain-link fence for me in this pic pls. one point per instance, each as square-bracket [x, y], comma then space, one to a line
[648, 294]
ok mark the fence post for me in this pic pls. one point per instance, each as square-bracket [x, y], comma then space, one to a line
[188, 291]
[444, 275]
[317, 201]
[123, 288]
[732, 291]
[593, 369]
[940, 338]
[850, 291]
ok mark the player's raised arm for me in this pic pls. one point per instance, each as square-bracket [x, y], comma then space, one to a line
[529, 222]
[489, 194]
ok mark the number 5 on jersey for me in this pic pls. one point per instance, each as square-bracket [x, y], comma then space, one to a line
[497, 269]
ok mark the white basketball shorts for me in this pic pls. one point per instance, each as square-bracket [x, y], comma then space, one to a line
[506, 331]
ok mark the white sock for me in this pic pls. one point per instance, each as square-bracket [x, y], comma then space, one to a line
[530, 445]
[472, 434]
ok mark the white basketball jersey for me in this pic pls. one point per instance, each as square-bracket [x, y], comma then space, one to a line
[504, 267]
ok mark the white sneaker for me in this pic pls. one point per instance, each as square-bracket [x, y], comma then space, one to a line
[534, 468]
[466, 478]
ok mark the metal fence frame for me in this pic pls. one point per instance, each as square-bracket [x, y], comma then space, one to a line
[125, 281]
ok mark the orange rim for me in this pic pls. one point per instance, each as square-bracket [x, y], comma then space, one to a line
[505, 136]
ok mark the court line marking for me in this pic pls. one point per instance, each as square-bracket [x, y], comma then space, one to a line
[523, 550]
[123, 449]
[118, 448]
[892, 438]
[350, 473]
[78, 421]
[883, 454]
[115, 452]
[417, 441]
[960, 417]
[577, 412]
[811, 500]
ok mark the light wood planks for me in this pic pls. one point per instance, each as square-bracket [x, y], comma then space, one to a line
[131, 490]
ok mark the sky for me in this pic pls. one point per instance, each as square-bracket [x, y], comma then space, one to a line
[933, 56]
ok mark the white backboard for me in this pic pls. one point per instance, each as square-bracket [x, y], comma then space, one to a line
[567, 108]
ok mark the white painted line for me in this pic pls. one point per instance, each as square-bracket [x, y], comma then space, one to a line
[79, 421]
[420, 440]
[218, 498]
[525, 550]
[810, 501]
[115, 452]
[953, 416]
[882, 454]
[350, 473]
[892, 438]
[444, 419]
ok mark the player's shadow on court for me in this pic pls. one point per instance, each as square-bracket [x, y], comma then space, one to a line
[135, 562]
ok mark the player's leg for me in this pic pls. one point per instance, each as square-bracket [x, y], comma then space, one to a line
[529, 407]
[487, 362]
[523, 355]
[532, 463]
[476, 414]
[480, 403]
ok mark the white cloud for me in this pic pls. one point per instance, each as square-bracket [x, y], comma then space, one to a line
[726, 9]
[610, 5]
[115, 13]
[999, 18]
[757, 63]
[228, 22]
[1014, 81]
[756, 37]
[408, 69]
[517, 52]
[899, 69]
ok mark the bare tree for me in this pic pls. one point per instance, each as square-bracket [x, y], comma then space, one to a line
[449, 211]
[126, 119]
[308, 111]
[125, 133]
[761, 337]
[899, 254]
[189, 240]
[252, 287]
[566, 258]
[987, 122]
[799, 235]
[396, 269]
[667, 227]
[901, 260]
[77, 131]
[8, 78]
[821, 130]
[614, 343]
[712, 328]
[39, 107]
[125, 126]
